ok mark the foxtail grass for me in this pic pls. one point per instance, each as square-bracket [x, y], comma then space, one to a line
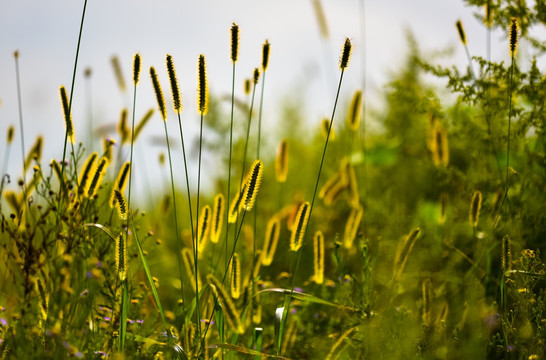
[318, 257]
[351, 227]
[343, 64]
[403, 250]
[177, 107]
[98, 174]
[462, 37]
[120, 182]
[272, 233]
[475, 207]
[513, 38]
[281, 162]
[217, 218]
[61, 187]
[118, 73]
[228, 307]
[163, 111]
[20, 108]
[235, 276]
[203, 228]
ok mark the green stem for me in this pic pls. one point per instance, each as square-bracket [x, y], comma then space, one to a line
[69, 111]
[175, 214]
[195, 256]
[230, 154]
[287, 308]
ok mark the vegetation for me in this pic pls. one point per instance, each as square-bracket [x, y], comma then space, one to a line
[422, 239]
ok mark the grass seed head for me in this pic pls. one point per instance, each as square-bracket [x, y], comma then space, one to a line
[256, 75]
[202, 86]
[299, 226]
[11, 133]
[272, 233]
[318, 257]
[217, 217]
[177, 103]
[345, 54]
[475, 206]
[353, 118]
[67, 115]
[118, 72]
[514, 36]
[85, 172]
[158, 94]
[136, 68]
[248, 86]
[121, 204]
[121, 256]
[265, 55]
[235, 276]
[253, 181]
[460, 30]
[203, 228]
[142, 123]
[234, 42]
[281, 162]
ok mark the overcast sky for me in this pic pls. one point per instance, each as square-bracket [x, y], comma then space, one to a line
[45, 33]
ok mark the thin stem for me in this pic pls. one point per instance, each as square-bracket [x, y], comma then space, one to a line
[195, 257]
[20, 105]
[509, 118]
[287, 308]
[187, 190]
[470, 63]
[230, 154]
[70, 111]
[175, 213]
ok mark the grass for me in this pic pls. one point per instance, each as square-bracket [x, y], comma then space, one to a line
[421, 247]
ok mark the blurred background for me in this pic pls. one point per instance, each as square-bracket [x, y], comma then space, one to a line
[303, 64]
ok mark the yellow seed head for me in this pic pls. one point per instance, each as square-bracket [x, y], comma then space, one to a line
[318, 258]
[265, 55]
[299, 226]
[345, 54]
[56, 168]
[158, 94]
[488, 18]
[187, 257]
[203, 228]
[427, 302]
[118, 73]
[248, 86]
[67, 115]
[234, 42]
[35, 152]
[354, 196]
[460, 30]
[235, 276]
[44, 298]
[353, 118]
[107, 147]
[403, 250]
[230, 311]
[217, 217]
[256, 75]
[351, 227]
[443, 208]
[514, 36]
[439, 146]
[272, 233]
[236, 204]
[202, 87]
[142, 123]
[325, 127]
[121, 256]
[475, 206]
[121, 204]
[11, 132]
[253, 181]
[123, 129]
[136, 68]
[85, 172]
[98, 175]
[121, 182]
[281, 163]
[177, 103]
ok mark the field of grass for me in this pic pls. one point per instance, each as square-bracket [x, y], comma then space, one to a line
[420, 237]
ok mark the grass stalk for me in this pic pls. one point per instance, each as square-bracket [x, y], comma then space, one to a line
[69, 112]
[20, 107]
[344, 62]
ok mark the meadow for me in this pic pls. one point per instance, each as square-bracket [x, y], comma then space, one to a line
[420, 237]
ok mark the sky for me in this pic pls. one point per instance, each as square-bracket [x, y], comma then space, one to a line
[302, 62]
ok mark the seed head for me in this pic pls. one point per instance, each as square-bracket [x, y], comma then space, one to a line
[345, 54]
[158, 94]
[177, 104]
[265, 55]
[513, 36]
[234, 42]
[460, 29]
[202, 88]
[136, 69]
